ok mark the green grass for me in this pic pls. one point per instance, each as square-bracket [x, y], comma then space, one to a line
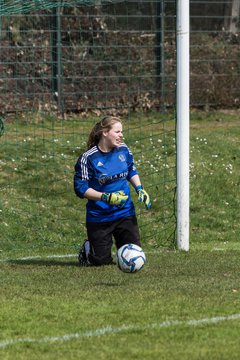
[49, 298]
[215, 166]
[53, 309]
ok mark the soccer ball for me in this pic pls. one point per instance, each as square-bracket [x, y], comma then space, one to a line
[130, 258]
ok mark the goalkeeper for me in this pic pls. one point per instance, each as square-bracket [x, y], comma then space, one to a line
[102, 176]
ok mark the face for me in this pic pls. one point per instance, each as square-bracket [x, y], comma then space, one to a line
[114, 136]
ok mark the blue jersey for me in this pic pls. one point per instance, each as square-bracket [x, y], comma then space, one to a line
[105, 172]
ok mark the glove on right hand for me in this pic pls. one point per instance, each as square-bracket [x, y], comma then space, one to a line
[117, 198]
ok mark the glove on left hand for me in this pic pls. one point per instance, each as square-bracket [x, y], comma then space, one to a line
[143, 196]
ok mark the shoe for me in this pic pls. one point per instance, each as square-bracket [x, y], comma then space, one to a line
[83, 254]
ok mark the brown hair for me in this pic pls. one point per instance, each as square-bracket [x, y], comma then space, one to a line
[104, 125]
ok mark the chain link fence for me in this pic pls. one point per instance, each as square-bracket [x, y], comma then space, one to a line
[115, 55]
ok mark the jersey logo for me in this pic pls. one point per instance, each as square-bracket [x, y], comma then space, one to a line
[122, 157]
[99, 163]
[106, 179]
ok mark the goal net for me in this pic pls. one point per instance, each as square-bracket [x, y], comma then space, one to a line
[64, 65]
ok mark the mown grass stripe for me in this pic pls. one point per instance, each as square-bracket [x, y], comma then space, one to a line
[113, 330]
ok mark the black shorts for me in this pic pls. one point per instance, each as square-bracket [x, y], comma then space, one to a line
[124, 231]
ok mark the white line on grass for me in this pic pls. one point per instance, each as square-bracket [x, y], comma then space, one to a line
[115, 330]
[53, 256]
[39, 257]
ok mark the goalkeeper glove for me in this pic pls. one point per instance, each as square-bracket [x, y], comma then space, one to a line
[117, 198]
[143, 196]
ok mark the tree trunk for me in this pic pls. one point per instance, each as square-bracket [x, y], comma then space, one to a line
[234, 21]
[232, 16]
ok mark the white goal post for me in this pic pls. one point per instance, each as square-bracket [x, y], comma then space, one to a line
[182, 99]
